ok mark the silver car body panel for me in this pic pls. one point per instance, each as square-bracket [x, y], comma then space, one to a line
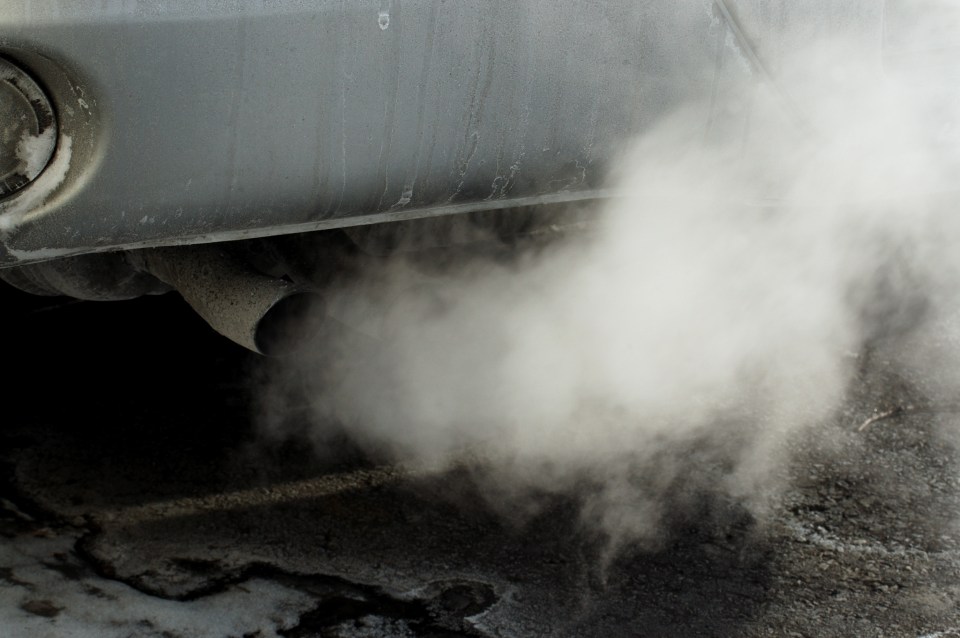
[186, 121]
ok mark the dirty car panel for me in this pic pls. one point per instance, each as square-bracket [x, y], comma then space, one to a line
[184, 122]
[163, 125]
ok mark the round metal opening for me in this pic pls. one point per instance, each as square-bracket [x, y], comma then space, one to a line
[28, 129]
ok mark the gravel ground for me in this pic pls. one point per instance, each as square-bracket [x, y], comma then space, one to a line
[140, 502]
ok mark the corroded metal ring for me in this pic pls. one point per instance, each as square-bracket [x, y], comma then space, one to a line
[28, 129]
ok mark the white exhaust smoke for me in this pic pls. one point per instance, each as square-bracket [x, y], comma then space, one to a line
[718, 312]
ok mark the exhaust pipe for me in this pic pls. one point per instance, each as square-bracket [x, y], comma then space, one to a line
[268, 315]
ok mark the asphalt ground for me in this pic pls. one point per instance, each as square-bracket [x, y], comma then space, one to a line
[138, 498]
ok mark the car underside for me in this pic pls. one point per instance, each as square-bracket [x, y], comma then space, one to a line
[242, 153]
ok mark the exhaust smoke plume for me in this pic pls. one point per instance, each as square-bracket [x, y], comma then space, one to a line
[718, 311]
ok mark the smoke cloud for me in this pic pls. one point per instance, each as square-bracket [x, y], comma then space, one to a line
[718, 310]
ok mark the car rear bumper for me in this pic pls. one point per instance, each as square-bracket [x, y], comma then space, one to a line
[185, 122]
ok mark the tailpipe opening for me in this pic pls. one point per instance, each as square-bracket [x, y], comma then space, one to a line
[289, 323]
[269, 315]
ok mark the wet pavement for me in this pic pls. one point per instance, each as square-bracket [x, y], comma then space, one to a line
[137, 499]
